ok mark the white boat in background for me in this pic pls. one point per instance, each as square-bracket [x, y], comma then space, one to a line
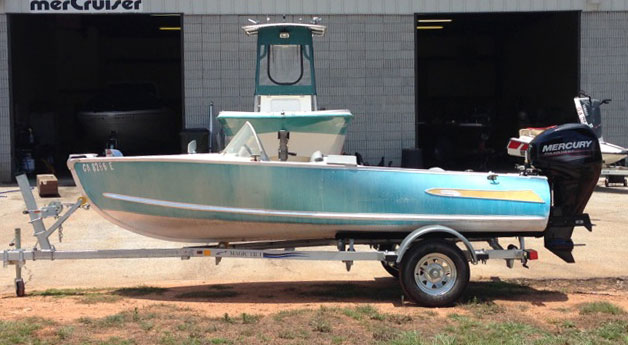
[589, 113]
[285, 95]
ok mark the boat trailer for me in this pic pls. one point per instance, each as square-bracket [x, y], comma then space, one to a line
[393, 259]
[615, 175]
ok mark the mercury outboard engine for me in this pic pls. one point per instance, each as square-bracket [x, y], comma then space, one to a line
[569, 155]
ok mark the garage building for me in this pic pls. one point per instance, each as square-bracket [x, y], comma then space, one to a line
[455, 78]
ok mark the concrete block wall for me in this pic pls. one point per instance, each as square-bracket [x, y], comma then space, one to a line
[604, 69]
[5, 118]
[365, 63]
[219, 66]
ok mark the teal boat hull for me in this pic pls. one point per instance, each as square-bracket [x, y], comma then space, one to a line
[206, 198]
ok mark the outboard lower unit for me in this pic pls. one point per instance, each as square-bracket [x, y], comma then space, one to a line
[569, 155]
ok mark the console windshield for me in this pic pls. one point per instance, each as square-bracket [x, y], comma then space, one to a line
[246, 144]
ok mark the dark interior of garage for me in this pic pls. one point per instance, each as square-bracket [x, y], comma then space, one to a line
[83, 83]
[481, 77]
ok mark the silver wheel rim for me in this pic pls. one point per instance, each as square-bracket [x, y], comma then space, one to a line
[435, 274]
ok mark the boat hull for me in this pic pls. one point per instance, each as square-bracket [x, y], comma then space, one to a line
[322, 131]
[611, 153]
[204, 198]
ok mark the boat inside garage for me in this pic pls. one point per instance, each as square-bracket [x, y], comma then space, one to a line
[83, 83]
[481, 77]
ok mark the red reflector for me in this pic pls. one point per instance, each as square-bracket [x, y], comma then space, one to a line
[525, 147]
[513, 144]
[532, 254]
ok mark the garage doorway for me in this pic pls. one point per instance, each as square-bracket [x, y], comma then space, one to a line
[481, 77]
[81, 83]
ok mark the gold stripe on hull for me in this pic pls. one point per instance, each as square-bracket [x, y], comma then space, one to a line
[506, 195]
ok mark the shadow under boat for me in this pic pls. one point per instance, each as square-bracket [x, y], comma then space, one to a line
[379, 290]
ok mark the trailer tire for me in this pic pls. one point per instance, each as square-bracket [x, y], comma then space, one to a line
[20, 288]
[391, 267]
[606, 182]
[625, 182]
[434, 273]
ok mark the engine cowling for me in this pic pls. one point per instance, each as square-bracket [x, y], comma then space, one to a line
[569, 155]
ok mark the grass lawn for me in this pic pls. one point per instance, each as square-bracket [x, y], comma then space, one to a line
[481, 323]
[476, 320]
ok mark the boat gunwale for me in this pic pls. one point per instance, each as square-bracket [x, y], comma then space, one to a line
[184, 158]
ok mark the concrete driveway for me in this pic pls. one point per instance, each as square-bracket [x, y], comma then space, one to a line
[605, 254]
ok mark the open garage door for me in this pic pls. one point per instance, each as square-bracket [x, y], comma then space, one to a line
[481, 77]
[85, 82]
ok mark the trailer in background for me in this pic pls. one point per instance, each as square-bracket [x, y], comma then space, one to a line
[615, 175]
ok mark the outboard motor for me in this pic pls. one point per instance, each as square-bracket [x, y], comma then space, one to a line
[569, 155]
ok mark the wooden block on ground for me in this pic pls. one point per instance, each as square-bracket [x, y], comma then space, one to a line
[47, 185]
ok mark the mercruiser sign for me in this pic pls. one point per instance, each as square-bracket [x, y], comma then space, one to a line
[86, 6]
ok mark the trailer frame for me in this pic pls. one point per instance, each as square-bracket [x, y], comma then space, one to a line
[615, 175]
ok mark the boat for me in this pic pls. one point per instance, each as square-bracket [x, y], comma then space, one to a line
[127, 116]
[285, 94]
[241, 195]
[589, 114]
[240, 203]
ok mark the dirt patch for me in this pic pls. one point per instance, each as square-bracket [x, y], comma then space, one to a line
[332, 312]
[554, 299]
[509, 313]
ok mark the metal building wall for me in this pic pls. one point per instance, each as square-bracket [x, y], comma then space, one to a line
[338, 7]
[364, 64]
[604, 68]
[370, 7]
[219, 60]
[5, 118]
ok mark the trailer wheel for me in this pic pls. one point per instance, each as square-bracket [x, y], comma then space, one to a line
[625, 182]
[20, 288]
[391, 267]
[606, 182]
[434, 273]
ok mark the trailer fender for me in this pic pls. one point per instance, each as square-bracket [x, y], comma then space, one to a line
[431, 229]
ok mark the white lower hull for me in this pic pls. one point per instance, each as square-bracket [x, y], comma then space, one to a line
[612, 158]
[214, 230]
[611, 153]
